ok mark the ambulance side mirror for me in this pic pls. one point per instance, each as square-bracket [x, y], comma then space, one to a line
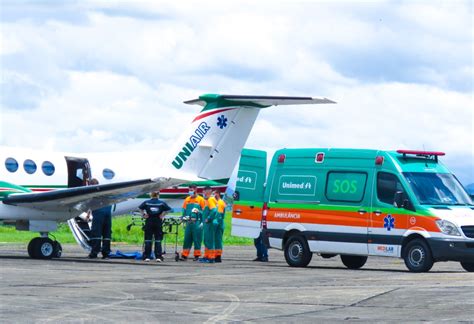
[398, 199]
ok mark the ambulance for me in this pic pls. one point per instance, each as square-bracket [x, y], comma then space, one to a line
[355, 203]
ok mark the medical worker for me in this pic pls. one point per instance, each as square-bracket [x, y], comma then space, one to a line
[219, 230]
[193, 207]
[210, 223]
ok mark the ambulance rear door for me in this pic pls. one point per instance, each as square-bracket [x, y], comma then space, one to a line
[249, 191]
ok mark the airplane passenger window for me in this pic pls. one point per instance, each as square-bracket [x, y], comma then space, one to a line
[29, 166]
[48, 168]
[11, 164]
[108, 174]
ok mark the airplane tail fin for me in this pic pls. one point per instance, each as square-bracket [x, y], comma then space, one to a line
[211, 147]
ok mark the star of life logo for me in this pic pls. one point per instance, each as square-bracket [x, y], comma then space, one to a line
[389, 222]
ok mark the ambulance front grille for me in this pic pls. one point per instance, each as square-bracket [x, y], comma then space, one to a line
[468, 231]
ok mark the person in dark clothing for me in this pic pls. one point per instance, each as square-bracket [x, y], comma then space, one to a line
[101, 229]
[154, 210]
[262, 251]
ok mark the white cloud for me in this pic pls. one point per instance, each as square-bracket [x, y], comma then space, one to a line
[115, 78]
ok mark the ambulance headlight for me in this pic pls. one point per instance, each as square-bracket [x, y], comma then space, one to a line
[447, 227]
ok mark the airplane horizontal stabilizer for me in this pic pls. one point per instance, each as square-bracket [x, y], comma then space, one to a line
[262, 101]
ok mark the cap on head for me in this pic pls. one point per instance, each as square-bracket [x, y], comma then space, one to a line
[192, 186]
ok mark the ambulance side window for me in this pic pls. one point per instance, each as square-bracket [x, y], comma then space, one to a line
[343, 186]
[387, 185]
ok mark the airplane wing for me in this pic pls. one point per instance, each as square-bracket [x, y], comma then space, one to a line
[263, 101]
[81, 199]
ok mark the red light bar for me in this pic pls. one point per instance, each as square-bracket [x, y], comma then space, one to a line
[281, 158]
[427, 153]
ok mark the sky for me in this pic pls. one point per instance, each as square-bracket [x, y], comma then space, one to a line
[105, 76]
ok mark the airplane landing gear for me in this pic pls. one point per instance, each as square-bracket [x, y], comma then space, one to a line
[44, 248]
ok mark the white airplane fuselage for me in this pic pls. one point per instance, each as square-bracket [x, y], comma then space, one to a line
[105, 167]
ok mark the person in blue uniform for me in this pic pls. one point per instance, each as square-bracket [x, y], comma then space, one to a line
[101, 230]
[262, 251]
[154, 210]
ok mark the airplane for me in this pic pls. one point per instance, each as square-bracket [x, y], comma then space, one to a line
[39, 189]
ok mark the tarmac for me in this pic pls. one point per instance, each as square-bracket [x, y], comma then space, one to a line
[74, 289]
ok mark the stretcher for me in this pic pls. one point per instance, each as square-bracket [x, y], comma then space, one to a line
[170, 228]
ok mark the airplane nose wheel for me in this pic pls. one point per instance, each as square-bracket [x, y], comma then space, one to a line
[43, 248]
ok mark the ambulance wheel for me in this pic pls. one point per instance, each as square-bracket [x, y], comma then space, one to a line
[468, 266]
[417, 256]
[297, 253]
[41, 248]
[58, 249]
[353, 261]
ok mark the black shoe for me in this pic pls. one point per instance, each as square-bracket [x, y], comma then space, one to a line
[196, 258]
[218, 259]
[264, 259]
[92, 256]
[183, 258]
[257, 259]
[105, 257]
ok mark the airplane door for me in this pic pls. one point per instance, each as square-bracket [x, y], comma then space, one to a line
[79, 172]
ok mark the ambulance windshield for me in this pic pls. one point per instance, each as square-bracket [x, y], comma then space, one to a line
[437, 189]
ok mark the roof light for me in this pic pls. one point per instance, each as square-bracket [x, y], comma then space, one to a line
[281, 158]
[319, 157]
[379, 160]
[425, 153]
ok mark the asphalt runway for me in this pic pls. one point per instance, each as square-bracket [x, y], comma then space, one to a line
[74, 289]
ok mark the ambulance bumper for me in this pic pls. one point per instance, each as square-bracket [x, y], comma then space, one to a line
[452, 250]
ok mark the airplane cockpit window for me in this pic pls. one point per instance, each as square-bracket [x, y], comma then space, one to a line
[11, 164]
[108, 174]
[29, 166]
[48, 168]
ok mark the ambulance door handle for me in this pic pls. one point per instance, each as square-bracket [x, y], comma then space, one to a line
[378, 212]
[238, 212]
[362, 211]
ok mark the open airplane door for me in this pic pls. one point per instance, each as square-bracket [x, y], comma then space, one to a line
[79, 174]
[249, 191]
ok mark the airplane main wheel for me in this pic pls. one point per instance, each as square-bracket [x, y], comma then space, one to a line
[41, 248]
[58, 249]
[32, 247]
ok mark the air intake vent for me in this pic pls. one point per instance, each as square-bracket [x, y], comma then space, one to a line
[468, 231]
